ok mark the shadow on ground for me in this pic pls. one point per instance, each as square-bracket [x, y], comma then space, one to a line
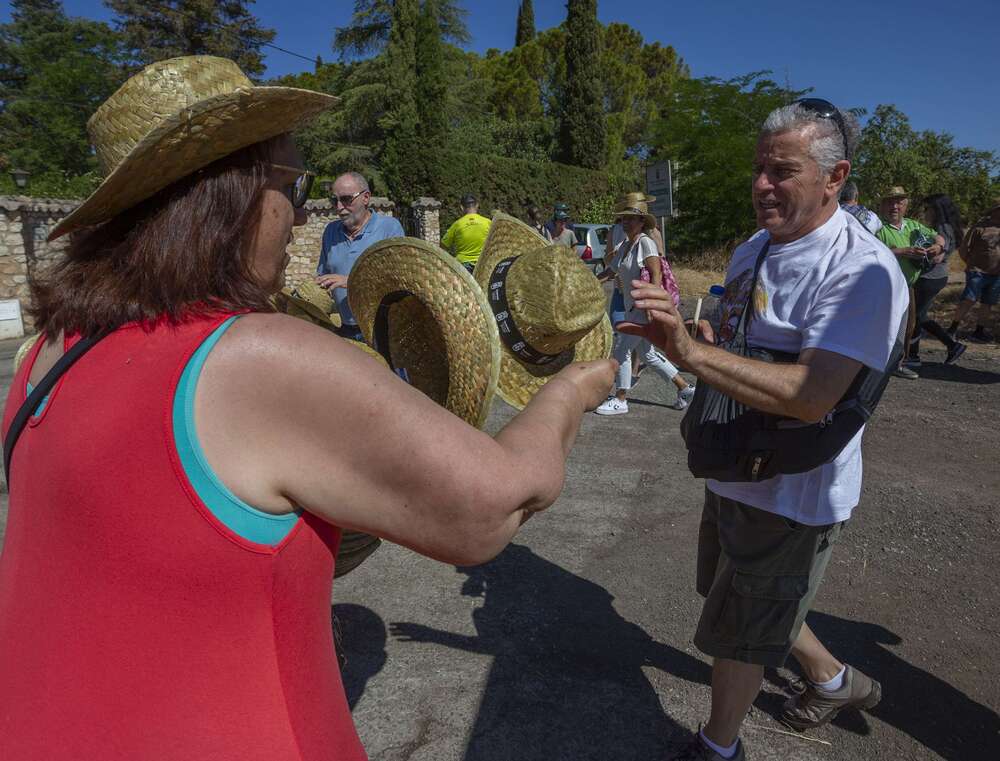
[957, 374]
[361, 638]
[567, 677]
[941, 718]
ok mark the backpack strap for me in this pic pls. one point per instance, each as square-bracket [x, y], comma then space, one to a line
[37, 394]
[745, 316]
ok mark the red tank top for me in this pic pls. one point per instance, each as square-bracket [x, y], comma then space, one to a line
[135, 625]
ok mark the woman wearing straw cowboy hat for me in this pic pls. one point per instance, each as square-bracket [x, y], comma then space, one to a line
[175, 503]
[634, 253]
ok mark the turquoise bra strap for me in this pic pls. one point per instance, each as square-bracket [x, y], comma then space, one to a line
[244, 520]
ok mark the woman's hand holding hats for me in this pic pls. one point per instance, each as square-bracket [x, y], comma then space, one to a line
[665, 328]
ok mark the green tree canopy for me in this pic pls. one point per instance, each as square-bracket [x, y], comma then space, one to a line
[158, 29]
[370, 29]
[54, 72]
[893, 153]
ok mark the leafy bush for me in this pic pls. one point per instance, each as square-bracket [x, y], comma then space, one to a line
[511, 184]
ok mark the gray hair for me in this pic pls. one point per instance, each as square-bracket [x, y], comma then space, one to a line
[358, 179]
[827, 146]
[849, 192]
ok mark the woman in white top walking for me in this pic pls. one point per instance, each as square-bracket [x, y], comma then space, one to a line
[635, 252]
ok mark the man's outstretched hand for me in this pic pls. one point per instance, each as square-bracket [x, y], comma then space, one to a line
[665, 328]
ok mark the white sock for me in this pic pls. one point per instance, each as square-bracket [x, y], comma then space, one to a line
[722, 751]
[834, 684]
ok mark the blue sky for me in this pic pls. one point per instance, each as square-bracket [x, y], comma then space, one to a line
[938, 62]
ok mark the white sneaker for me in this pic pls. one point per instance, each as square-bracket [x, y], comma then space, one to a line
[613, 406]
[684, 397]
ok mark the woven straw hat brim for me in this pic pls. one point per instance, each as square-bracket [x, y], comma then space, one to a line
[191, 140]
[509, 237]
[23, 349]
[361, 346]
[648, 220]
[460, 367]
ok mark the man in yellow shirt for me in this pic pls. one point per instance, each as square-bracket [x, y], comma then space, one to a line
[464, 239]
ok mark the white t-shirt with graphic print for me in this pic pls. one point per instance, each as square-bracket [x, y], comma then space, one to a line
[837, 289]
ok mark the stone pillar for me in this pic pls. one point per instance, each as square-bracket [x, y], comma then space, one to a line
[382, 205]
[426, 219]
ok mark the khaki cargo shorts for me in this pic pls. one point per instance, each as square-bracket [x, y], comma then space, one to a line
[758, 572]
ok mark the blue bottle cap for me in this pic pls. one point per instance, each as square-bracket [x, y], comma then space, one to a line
[717, 290]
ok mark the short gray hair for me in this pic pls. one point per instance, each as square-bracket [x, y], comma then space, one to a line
[849, 192]
[827, 146]
[359, 180]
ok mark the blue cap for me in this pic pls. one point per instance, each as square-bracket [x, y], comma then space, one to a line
[717, 290]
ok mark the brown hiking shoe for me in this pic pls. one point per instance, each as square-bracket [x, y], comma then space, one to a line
[814, 708]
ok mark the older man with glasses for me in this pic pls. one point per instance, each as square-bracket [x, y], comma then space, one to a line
[824, 298]
[344, 240]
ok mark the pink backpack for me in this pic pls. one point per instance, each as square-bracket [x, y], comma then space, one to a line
[667, 280]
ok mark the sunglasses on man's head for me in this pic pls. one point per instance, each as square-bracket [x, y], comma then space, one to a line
[298, 192]
[826, 110]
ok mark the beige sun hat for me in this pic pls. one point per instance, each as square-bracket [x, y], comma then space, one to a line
[896, 191]
[637, 209]
[175, 117]
[626, 200]
[421, 309]
[310, 301]
[550, 308]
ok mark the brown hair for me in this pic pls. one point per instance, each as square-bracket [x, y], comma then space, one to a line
[187, 250]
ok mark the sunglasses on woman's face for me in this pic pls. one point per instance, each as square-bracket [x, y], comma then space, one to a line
[297, 191]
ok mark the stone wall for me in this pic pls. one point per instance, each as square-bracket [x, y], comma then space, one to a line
[24, 226]
[25, 223]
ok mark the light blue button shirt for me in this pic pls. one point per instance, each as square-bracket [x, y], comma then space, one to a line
[339, 253]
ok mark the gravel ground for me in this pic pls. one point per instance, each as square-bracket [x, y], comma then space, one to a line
[575, 643]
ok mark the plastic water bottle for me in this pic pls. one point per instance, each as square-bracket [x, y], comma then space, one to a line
[710, 308]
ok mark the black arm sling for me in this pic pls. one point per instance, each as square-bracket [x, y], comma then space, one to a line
[729, 441]
[38, 393]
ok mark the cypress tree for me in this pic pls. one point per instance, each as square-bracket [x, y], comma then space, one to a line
[400, 121]
[582, 131]
[170, 28]
[431, 92]
[525, 23]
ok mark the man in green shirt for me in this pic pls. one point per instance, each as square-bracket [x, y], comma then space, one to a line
[911, 242]
[464, 239]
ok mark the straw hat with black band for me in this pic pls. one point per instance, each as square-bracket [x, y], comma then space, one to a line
[896, 191]
[175, 117]
[310, 301]
[422, 311]
[549, 307]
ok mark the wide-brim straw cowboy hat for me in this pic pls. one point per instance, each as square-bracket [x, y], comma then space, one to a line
[896, 191]
[175, 117]
[550, 308]
[637, 209]
[422, 311]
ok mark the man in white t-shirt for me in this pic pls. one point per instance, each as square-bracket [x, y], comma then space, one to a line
[832, 294]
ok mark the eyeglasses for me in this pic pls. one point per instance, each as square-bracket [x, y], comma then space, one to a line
[299, 192]
[346, 201]
[826, 110]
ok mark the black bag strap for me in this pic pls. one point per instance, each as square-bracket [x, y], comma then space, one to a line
[744, 317]
[38, 393]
